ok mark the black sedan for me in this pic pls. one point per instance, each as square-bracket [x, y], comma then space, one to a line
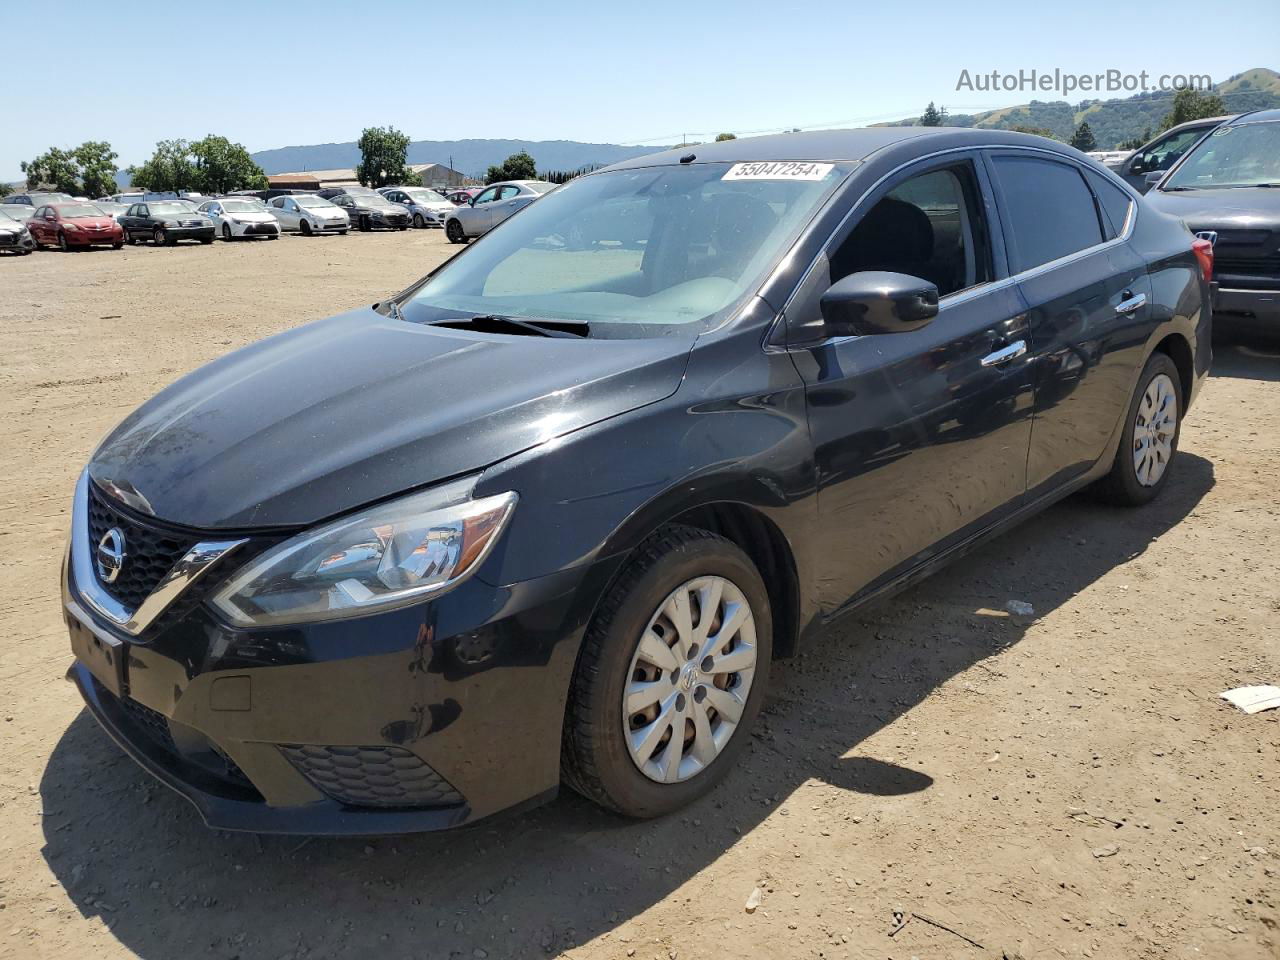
[164, 223]
[549, 515]
[1228, 190]
[371, 211]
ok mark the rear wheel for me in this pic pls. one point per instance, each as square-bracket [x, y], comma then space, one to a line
[453, 231]
[1150, 439]
[671, 675]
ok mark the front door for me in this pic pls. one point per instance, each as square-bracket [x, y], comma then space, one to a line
[920, 438]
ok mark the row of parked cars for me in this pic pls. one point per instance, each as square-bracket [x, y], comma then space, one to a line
[30, 221]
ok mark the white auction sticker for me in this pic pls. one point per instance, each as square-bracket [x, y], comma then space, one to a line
[778, 170]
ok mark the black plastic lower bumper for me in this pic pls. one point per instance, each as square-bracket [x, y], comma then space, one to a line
[1256, 310]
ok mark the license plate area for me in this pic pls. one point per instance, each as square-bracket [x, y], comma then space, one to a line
[105, 656]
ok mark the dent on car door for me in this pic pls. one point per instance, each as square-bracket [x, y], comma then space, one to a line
[1086, 293]
[920, 438]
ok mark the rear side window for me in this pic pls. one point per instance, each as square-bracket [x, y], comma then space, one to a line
[1117, 206]
[1049, 208]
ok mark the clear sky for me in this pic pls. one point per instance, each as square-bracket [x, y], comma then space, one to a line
[283, 72]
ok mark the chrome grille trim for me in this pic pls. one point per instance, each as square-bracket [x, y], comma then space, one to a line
[189, 568]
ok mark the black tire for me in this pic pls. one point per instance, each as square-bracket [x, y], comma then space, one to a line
[453, 232]
[62, 243]
[206, 240]
[226, 232]
[365, 226]
[273, 236]
[1121, 486]
[117, 245]
[418, 222]
[129, 239]
[305, 228]
[595, 760]
[342, 233]
[161, 238]
[23, 253]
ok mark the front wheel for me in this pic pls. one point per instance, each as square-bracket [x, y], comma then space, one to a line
[226, 231]
[160, 238]
[418, 222]
[365, 226]
[453, 231]
[306, 228]
[671, 675]
[1150, 439]
[62, 243]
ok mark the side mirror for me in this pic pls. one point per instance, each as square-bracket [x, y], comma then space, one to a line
[877, 301]
[1154, 177]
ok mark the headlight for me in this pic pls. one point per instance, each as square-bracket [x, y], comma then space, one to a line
[386, 556]
[171, 223]
[70, 226]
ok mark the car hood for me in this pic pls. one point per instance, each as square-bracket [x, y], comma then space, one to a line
[1210, 209]
[341, 412]
[250, 216]
[90, 221]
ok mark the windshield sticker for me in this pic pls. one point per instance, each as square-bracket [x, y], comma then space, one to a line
[779, 170]
[1221, 132]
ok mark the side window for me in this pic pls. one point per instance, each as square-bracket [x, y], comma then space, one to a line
[487, 196]
[291, 206]
[506, 193]
[1049, 208]
[1117, 206]
[1162, 155]
[279, 202]
[931, 226]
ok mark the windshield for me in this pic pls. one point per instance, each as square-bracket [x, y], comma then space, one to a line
[1239, 156]
[647, 252]
[312, 203]
[361, 192]
[79, 210]
[422, 195]
[7, 220]
[239, 206]
[172, 208]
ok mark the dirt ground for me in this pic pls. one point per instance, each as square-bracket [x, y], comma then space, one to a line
[1064, 786]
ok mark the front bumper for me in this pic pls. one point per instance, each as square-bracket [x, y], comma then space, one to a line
[255, 229]
[84, 238]
[12, 241]
[416, 719]
[190, 233]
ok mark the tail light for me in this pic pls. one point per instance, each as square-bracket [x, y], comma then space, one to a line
[1203, 249]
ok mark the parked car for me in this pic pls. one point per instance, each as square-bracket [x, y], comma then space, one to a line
[403, 568]
[426, 207]
[14, 235]
[461, 197]
[33, 200]
[234, 217]
[165, 222]
[112, 209]
[308, 214]
[491, 206]
[71, 226]
[1145, 166]
[1227, 189]
[268, 195]
[17, 211]
[369, 211]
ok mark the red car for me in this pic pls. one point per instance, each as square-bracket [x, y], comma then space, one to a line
[74, 225]
[463, 196]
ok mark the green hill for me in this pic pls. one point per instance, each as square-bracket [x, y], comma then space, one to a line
[1113, 121]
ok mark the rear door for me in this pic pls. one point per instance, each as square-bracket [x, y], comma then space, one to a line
[1086, 293]
[920, 438]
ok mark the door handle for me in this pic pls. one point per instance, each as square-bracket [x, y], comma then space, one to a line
[1131, 304]
[1005, 354]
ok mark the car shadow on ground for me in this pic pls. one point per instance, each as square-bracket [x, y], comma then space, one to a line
[129, 851]
[1246, 357]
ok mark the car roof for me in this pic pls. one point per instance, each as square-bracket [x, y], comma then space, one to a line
[834, 145]
[1258, 116]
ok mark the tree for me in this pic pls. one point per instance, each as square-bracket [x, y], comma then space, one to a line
[1034, 131]
[933, 116]
[1191, 104]
[411, 178]
[721, 137]
[1083, 138]
[222, 166]
[518, 166]
[171, 167]
[97, 163]
[1133, 143]
[55, 168]
[382, 152]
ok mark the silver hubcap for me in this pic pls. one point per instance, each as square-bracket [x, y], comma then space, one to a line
[1154, 429]
[689, 679]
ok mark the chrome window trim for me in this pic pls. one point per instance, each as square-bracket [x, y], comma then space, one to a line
[960, 295]
[190, 568]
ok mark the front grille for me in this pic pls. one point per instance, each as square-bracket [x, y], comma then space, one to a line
[150, 552]
[1248, 266]
[191, 223]
[372, 776]
[8, 239]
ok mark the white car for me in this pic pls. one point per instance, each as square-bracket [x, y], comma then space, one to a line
[240, 218]
[426, 207]
[491, 207]
[308, 214]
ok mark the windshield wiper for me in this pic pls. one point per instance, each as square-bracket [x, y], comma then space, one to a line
[501, 323]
